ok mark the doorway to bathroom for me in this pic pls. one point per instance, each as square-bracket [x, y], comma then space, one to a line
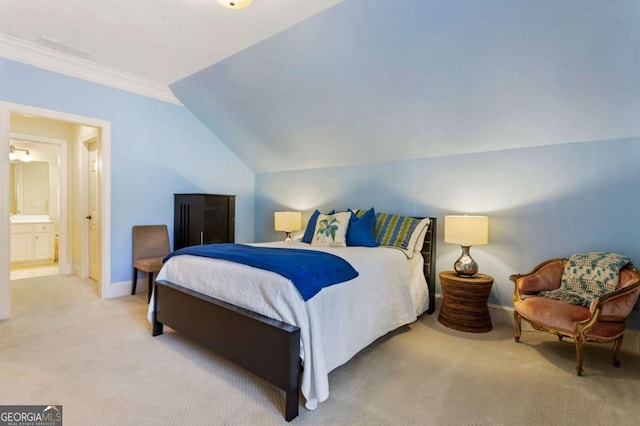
[26, 128]
[37, 204]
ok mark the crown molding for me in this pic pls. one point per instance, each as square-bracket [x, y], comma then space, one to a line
[30, 53]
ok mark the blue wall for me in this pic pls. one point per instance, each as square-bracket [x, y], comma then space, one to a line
[543, 202]
[439, 77]
[157, 149]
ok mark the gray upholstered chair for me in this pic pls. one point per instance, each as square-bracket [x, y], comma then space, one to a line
[150, 246]
[603, 321]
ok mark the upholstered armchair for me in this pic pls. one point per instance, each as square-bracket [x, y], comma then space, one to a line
[602, 321]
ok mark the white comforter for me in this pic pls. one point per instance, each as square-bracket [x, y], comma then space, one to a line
[335, 324]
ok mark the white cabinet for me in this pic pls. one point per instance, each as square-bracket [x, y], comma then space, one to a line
[21, 236]
[32, 242]
[44, 245]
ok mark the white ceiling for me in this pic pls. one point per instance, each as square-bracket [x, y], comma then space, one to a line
[158, 40]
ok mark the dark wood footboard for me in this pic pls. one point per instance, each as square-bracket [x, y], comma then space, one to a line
[266, 347]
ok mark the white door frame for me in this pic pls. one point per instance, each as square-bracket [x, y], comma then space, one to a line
[104, 146]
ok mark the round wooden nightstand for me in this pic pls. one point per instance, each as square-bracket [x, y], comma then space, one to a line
[464, 305]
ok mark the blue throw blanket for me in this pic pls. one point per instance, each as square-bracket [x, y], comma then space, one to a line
[309, 270]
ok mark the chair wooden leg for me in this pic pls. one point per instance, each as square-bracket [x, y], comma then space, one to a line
[150, 286]
[579, 350]
[518, 324]
[617, 344]
[135, 281]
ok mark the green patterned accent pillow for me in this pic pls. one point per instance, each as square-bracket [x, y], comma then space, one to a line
[394, 230]
[360, 212]
[588, 276]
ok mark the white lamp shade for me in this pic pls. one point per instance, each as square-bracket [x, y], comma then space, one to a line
[288, 221]
[466, 230]
[235, 4]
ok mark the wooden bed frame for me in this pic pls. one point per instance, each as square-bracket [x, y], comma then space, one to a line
[267, 347]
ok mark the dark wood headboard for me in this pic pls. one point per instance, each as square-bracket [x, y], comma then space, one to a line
[429, 254]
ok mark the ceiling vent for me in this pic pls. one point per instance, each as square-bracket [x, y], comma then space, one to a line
[64, 48]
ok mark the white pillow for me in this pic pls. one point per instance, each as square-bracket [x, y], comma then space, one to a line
[416, 241]
[424, 225]
[331, 230]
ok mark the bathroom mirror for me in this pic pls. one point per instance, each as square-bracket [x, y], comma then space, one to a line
[29, 187]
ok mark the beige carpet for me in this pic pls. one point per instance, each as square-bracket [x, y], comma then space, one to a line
[64, 345]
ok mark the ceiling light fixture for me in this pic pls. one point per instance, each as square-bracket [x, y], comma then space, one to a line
[26, 157]
[235, 4]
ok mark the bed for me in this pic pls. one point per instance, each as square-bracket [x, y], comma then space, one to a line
[270, 331]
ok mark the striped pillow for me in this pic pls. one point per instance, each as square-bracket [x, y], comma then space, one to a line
[394, 230]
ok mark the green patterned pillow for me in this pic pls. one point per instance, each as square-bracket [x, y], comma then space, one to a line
[359, 212]
[588, 276]
[394, 230]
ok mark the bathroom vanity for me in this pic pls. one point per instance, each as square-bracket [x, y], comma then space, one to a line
[32, 239]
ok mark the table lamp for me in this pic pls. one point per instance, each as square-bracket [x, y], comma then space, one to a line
[466, 231]
[288, 222]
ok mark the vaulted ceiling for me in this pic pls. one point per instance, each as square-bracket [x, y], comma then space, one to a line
[331, 83]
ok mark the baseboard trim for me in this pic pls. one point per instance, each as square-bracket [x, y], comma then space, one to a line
[123, 288]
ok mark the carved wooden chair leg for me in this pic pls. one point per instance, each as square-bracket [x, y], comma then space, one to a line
[617, 344]
[579, 350]
[518, 324]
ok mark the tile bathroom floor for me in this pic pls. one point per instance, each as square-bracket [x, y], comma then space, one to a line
[20, 272]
